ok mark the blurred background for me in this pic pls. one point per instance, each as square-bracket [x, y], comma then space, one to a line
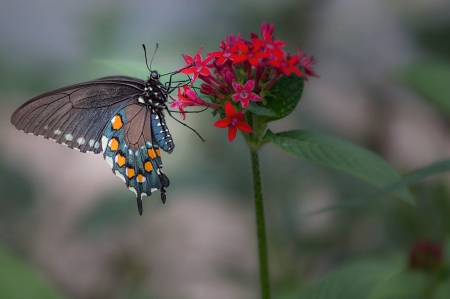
[70, 228]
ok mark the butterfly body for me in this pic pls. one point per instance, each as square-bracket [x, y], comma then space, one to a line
[122, 117]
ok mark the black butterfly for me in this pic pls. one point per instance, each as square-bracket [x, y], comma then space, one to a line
[119, 116]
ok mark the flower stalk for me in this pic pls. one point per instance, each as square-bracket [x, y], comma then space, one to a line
[260, 225]
[241, 83]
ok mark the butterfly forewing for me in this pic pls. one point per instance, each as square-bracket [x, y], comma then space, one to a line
[76, 115]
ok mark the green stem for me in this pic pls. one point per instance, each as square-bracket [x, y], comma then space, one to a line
[260, 226]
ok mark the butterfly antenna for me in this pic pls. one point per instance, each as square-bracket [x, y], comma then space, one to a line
[199, 136]
[149, 67]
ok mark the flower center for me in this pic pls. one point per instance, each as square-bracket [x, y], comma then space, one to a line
[244, 94]
[233, 122]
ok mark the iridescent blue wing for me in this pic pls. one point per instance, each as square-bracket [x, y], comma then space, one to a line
[133, 150]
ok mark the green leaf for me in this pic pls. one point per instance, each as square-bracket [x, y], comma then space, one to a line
[339, 154]
[283, 97]
[405, 284]
[431, 80]
[408, 179]
[261, 111]
[354, 282]
[17, 280]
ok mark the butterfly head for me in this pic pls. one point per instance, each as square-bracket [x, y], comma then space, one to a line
[154, 92]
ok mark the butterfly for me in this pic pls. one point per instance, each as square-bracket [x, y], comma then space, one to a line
[119, 116]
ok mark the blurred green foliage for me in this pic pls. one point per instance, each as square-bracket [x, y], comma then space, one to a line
[19, 280]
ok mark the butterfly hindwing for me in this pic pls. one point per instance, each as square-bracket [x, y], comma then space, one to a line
[133, 152]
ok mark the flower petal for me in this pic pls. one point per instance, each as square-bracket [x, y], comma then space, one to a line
[237, 86]
[249, 85]
[232, 133]
[236, 97]
[244, 127]
[229, 110]
[244, 103]
[222, 123]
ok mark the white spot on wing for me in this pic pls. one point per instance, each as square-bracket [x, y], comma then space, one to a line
[81, 140]
[104, 143]
[113, 120]
[57, 132]
[68, 137]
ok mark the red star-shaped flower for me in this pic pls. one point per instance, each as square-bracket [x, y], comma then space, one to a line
[307, 63]
[250, 54]
[270, 44]
[188, 98]
[226, 53]
[233, 121]
[287, 64]
[244, 93]
[196, 66]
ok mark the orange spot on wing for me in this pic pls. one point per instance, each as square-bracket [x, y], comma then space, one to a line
[114, 144]
[117, 122]
[148, 166]
[120, 160]
[130, 172]
[151, 152]
[140, 178]
[158, 152]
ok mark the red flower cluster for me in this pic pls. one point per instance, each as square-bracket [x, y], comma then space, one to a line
[241, 71]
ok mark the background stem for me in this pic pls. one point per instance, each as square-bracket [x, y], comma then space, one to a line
[260, 225]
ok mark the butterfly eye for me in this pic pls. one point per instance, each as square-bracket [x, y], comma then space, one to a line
[154, 75]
